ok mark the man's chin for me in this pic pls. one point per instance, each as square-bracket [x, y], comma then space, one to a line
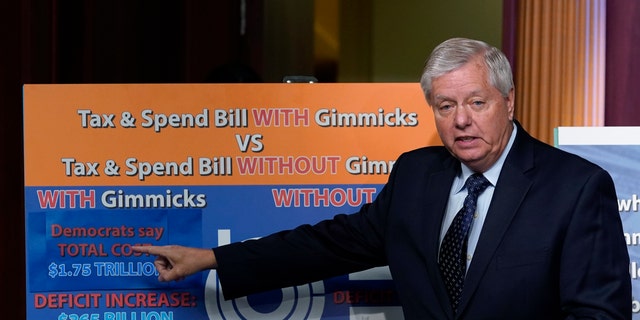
[467, 156]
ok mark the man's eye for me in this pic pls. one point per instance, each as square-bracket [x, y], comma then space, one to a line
[478, 103]
[445, 107]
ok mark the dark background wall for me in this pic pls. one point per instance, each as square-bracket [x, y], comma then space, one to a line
[104, 42]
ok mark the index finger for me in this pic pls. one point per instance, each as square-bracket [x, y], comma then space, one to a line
[154, 250]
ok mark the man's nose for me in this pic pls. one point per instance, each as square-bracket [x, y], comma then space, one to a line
[462, 116]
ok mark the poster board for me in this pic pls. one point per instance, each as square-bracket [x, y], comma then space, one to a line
[617, 150]
[108, 166]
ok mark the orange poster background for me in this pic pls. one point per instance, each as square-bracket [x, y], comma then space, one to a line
[52, 129]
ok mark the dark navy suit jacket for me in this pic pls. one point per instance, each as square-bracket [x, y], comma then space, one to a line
[552, 245]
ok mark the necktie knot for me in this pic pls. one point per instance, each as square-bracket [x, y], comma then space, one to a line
[476, 183]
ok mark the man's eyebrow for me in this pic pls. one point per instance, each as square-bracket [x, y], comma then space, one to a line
[440, 98]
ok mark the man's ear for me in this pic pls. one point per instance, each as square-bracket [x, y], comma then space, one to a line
[510, 103]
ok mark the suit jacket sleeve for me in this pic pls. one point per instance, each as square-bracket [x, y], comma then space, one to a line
[592, 258]
[344, 244]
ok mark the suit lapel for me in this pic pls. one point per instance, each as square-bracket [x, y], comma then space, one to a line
[510, 191]
[435, 201]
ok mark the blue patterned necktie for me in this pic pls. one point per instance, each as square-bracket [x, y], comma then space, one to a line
[453, 250]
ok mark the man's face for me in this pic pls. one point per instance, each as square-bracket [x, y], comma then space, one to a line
[472, 117]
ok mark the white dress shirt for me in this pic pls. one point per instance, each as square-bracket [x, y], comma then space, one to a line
[458, 193]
